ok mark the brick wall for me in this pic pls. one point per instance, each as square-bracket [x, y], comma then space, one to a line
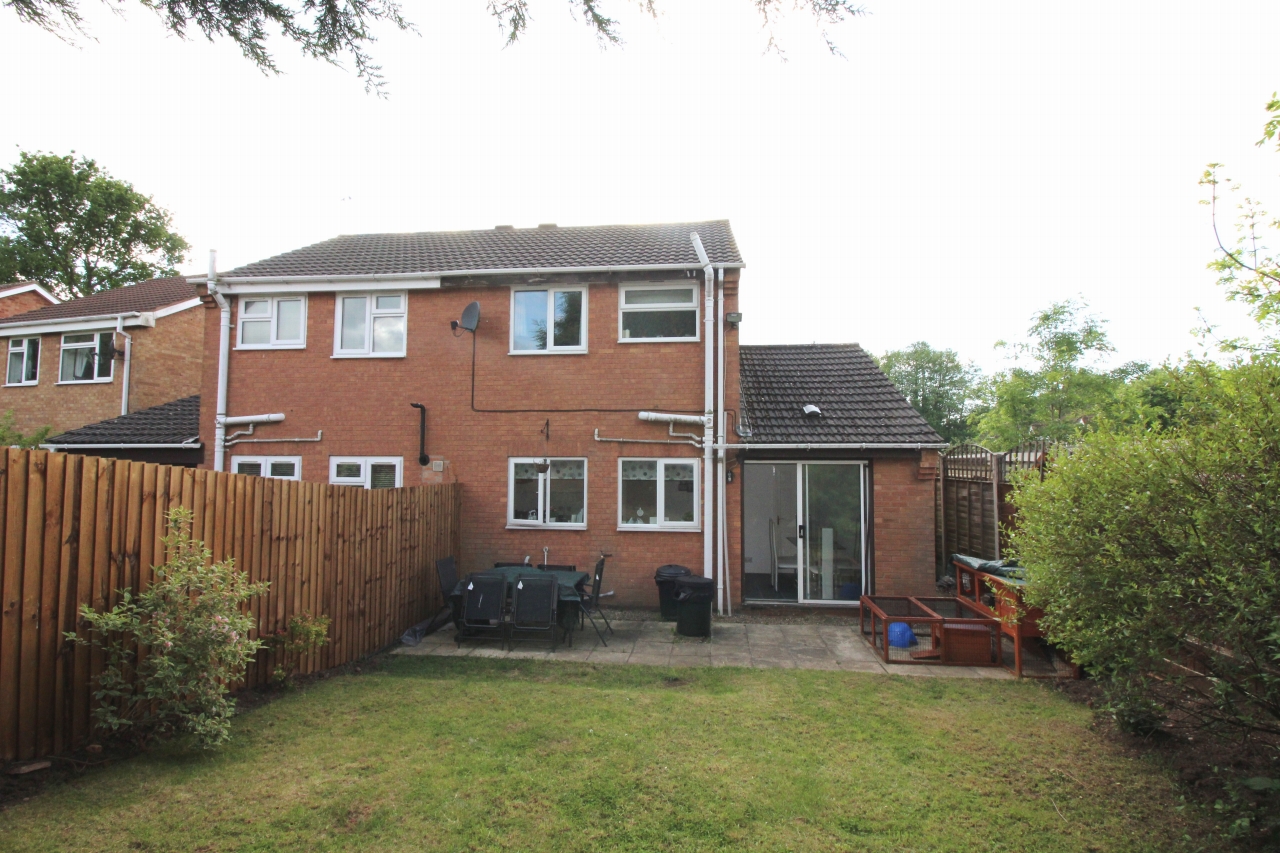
[902, 504]
[20, 303]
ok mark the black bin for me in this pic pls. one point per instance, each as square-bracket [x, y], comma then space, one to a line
[666, 577]
[693, 606]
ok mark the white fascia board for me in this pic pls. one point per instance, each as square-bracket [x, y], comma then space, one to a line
[31, 288]
[817, 445]
[176, 307]
[95, 323]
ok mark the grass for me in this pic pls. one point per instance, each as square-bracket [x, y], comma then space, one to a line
[429, 753]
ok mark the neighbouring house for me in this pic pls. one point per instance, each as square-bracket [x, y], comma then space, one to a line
[578, 382]
[102, 356]
[20, 297]
[168, 434]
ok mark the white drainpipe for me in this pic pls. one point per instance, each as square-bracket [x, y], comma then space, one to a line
[724, 594]
[709, 386]
[128, 358]
[224, 355]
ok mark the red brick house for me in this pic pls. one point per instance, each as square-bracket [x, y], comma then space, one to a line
[102, 356]
[579, 382]
[20, 297]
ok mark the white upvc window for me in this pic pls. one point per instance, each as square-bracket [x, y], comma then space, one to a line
[547, 492]
[24, 362]
[275, 467]
[87, 357]
[658, 494]
[370, 325]
[272, 322]
[367, 472]
[658, 312]
[548, 320]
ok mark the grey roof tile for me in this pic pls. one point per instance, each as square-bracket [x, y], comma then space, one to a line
[143, 296]
[171, 423]
[858, 402]
[499, 249]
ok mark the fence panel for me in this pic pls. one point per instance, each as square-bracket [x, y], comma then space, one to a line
[77, 530]
[974, 510]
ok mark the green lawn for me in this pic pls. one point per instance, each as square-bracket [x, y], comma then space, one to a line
[431, 753]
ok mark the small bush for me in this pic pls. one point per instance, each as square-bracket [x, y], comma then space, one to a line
[196, 645]
[305, 634]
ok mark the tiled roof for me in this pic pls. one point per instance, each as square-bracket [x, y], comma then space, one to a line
[171, 423]
[143, 296]
[858, 402]
[502, 249]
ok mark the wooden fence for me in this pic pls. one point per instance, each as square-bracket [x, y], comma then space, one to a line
[974, 510]
[77, 529]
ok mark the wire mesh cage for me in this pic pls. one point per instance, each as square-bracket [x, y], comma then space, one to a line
[899, 628]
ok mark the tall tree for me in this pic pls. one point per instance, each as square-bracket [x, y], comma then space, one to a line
[937, 385]
[69, 225]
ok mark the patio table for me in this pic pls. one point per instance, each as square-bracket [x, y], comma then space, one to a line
[569, 591]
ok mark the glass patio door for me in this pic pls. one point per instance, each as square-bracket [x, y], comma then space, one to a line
[830, 532]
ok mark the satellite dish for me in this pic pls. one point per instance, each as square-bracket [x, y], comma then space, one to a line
[470, 317]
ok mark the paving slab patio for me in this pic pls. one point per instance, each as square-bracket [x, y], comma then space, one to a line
[654, 643]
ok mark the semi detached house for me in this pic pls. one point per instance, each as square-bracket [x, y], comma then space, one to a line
[587, 389]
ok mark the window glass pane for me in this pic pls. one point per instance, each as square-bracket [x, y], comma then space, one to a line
[349, 471]
[388, 303]
[388, 334]
[254, 332]
[677, 492]
[681, 295]
[353, 322]
[256, 308]
[568, 319]
[77, 339]
[639, 492]
[15, 343]
[254, 468]
[106, 350]
[33, 360]
[567, 498]
[289, 320]
[14, 375]
[524, 501]
[77, 364]
[660, 324]
[284, 469]
[382, 475]
[529, 320]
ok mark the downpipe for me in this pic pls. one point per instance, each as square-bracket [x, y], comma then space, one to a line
[708, 397]
[224, 354]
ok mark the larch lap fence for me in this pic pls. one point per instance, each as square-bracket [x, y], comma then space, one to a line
[974, 485]
[77, 529]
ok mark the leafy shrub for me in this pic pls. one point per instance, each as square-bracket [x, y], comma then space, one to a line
[10, 436]
[305, 634]
[196, 643]
[1155, 554]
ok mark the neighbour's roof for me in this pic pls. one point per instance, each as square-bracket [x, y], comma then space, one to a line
[858, 402]
[171, 423]
[143, 296]
[497, 249]
[26, 286]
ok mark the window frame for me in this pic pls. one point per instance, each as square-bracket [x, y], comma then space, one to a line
[667, 526]
[370, 312]
[544, 492]
[550, 290]
[96, 347]
[23, 349]
[661, 306]
[366, 463]
[265, 462]
[272, 319]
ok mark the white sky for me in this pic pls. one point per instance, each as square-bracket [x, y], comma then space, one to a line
[967, 164]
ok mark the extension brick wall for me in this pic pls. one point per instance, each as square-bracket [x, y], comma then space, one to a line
[20, 303]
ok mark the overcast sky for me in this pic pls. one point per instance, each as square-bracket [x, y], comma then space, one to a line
[965, 165]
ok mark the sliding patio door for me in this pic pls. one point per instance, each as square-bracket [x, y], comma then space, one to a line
[830, 534]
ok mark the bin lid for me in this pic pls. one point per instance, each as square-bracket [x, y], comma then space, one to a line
[696, 583]
[670, 572]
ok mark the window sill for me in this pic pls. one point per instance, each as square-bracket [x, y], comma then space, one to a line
[535, 526]
[547, 352]
[659, 340]
[368, 355]
[106, 381]
[23, 384]
[656, 528]
[263, 347]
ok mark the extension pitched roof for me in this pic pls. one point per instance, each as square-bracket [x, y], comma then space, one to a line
[144, 296]
[172, 423]
[858, 402]
[502, 249]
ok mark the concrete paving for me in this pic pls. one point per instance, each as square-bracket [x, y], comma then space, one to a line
[653, 643]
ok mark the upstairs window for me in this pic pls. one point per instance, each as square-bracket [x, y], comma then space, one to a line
[87, 357]
[267, 322]
[658, 312]
[370, 324]
[549, 320]
[24, 361]
[275, 467]
[658, 494]
[547, 493]
[367, 472]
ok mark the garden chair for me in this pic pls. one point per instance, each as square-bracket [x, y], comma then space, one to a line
[590, 606]
[534, 606]
[484, 604]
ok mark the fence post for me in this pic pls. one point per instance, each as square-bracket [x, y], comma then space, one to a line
[996, 460]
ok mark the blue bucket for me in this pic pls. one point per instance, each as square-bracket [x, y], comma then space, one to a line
[901, 636]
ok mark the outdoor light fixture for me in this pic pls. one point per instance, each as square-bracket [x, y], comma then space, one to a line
[733, 318]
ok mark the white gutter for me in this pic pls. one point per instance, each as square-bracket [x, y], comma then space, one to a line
[183, 446]
[708, 395]
[866, 445]
[428, 274]
[128, 359]
[224, 354]
[145, 318]
[724, 595]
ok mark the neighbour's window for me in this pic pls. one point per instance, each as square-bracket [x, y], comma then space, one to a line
[87, 357]
[368, 472]
[370, 324]
[655, 494]
[547, 493]
[658, 312]
[549, 320]
[267, 322]
[24, 361]
[276, 467]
